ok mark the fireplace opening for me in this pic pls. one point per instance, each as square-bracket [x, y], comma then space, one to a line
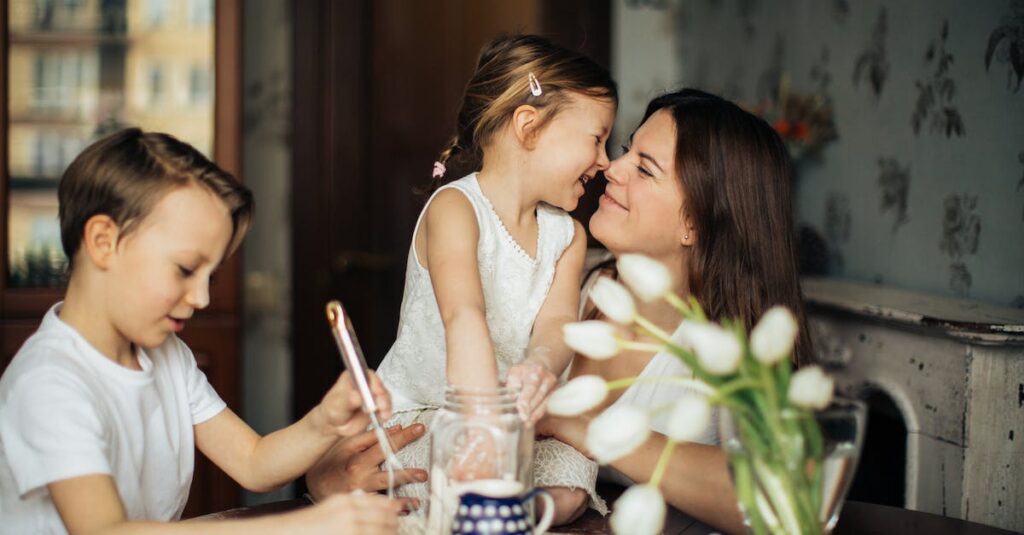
[881, 471]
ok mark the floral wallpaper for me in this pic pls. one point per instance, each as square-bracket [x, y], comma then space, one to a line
[922, 186]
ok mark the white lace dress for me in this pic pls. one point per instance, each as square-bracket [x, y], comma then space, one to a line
[514, 287]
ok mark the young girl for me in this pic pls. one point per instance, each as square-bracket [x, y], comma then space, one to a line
[494, 268]
[102, 408]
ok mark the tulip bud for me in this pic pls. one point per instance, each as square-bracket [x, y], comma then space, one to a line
[718, 351]
[595, 339]
[616, 432]
[773, 337]
[689, 418]
[578, 396]
[648, 278]
[810, 388]
[639, 511]
[613, 300]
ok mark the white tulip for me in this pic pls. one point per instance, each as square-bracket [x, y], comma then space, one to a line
[595, 339]
[639, 511]
[613, 300]
[773, 337]
[616, 432]
[689, 418]
[578, 396]
[810, 388]
[718, 350]
[648, 278]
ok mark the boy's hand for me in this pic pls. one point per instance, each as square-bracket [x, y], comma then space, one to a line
[536, 383]
[356, 513]
[340, 412]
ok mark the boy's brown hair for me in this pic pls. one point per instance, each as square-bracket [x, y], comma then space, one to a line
[126, 173]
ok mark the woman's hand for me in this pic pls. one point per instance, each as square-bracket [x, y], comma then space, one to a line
[536, 382]
[354, 464]
[340, 412]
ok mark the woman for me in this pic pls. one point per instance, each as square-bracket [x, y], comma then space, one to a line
[705, 188]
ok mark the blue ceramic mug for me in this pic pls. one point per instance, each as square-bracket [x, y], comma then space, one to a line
[498, 507]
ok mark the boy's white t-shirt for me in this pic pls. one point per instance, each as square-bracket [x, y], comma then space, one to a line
[67, 411]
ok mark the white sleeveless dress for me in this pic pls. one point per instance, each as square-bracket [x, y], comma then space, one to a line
[514, 287]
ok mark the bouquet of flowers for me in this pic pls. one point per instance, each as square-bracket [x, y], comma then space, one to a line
[803, 120]
[778, 473]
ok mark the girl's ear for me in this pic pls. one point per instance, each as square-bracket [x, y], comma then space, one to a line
[99, 240]
[524, 124]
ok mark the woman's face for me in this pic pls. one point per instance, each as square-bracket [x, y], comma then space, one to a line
[641, 209]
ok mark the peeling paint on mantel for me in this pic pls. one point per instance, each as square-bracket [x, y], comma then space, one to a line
[955, 370]
[977, 322]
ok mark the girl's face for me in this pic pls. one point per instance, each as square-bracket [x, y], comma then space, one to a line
[160, 273]
[641, 209]
[570, 149]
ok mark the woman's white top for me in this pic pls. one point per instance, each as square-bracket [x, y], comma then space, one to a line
[651, 396]
[514, 287]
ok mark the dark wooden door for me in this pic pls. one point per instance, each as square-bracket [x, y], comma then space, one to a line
[377, 86]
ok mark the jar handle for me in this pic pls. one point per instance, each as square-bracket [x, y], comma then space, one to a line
[549, 509]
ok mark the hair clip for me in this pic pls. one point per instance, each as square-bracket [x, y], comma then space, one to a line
[534, 85]
[439, 170]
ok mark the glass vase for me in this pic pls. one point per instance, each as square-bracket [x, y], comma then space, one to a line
[791, 474]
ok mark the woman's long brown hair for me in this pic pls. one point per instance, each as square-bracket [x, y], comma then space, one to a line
[736, 177]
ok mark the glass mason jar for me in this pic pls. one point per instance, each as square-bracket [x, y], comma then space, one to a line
[476, 435]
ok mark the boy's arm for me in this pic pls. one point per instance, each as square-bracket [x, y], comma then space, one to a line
[452, 234]
[261, 464]
[91, 505]
[547, 351]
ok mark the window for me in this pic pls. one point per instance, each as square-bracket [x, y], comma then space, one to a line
[156, 84]
[198, 85]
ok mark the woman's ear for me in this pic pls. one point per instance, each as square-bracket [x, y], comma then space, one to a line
[687, 235]
[99, 240]
[524, 125]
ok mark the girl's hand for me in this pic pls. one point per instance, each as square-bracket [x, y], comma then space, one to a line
[536, 383]
[340, 412]
[356, 513]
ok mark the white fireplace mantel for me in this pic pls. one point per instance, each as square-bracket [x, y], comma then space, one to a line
[955, 369]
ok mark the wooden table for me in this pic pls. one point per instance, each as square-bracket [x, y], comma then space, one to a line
[857, 518]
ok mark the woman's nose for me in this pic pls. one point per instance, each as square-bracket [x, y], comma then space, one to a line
[614, 172]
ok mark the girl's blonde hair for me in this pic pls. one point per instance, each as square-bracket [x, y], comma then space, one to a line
[502, 82]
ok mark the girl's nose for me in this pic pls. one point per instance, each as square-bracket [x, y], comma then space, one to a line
[602, 159]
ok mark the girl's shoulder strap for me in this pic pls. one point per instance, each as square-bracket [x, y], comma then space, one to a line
[469, 188]
[558, 225]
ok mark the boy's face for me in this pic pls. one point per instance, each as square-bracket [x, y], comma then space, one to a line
[160, 274]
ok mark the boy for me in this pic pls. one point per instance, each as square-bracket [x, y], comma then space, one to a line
[101, 408]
